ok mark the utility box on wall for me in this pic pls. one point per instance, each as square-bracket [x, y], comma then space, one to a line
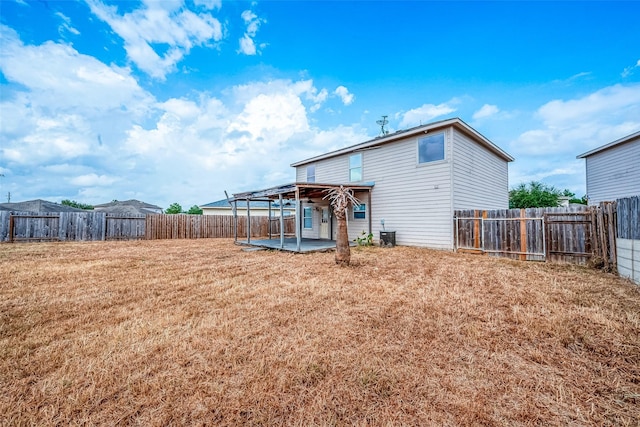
[388, 238]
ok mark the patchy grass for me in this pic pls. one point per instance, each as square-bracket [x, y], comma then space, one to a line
[199, 332]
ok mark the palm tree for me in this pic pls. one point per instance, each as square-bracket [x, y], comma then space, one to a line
[340, 198]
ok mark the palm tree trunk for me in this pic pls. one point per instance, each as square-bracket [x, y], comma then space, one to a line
[340, 199]
[343, 251]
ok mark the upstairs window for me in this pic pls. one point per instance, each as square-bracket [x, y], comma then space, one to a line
[355, 168]
[431, 148]
[360, 212]
[311, 173]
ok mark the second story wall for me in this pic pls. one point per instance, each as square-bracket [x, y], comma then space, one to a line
[480, 177]
[414, 199]
[614, 173]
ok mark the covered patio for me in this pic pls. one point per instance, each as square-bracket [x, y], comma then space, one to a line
[291, 244]
[303, 195]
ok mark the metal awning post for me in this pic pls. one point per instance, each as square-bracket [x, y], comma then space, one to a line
[248, 220]
[369, 213]
[281, 221]
[269, 219]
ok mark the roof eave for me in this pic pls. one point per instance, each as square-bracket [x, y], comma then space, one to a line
[622, 140]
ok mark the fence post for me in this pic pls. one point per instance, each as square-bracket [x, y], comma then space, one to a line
[547, 236]
[11, 219]
[476, 230]
[523, 235]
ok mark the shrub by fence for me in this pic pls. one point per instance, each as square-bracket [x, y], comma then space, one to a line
[92, 225]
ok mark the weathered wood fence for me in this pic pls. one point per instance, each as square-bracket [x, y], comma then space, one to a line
[575, 234]
[90, 225]
[210, 226]
[61, 226]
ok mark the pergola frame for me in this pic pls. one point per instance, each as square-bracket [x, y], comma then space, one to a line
[296, 191]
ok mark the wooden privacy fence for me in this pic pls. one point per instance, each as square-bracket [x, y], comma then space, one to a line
[91, 225]
[208, 226]
[61, 226]
[575, 234]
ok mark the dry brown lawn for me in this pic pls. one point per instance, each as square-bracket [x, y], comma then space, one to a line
[198, 332]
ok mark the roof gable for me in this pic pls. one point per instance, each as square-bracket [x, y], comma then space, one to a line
[401, 134]
[624, 140]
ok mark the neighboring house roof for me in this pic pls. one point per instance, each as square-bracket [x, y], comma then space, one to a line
[617, 142]
[254, 204]
[455, 122]
[128, 207]
[38, 205]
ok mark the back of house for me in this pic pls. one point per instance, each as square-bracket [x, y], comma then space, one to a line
[419, 177]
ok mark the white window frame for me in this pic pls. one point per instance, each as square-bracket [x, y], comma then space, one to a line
[444, 148]
[311, 177]
[305, 217]
[353, 168]
[360, 209]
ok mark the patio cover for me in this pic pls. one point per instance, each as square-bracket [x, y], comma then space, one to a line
[295, 191]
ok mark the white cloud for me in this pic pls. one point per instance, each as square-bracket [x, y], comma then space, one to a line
[630, 70]
[246, 141]
[346, 97]
[425, 114]
[485, 111]
[93, 134]
[165, 23]
[57, 73]
[93, 180]
[575, 126]
[247, 46]
[252, 23]
[209, 4]
[604, 104]
[66, 25]
[571, 127]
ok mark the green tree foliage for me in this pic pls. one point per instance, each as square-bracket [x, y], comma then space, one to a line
[194, 210]
[574, 199]
[77, 205]
[174, 208]
[533, 195]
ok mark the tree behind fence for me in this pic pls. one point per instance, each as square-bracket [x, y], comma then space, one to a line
[92, 225]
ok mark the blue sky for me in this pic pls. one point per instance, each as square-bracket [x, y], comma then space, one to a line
[177, 101]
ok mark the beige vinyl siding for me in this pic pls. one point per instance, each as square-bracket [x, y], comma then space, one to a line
[329, 171]
[480, 177]
[614, 173]
[414, 199]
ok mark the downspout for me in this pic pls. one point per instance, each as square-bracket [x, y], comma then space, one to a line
[298, 221]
